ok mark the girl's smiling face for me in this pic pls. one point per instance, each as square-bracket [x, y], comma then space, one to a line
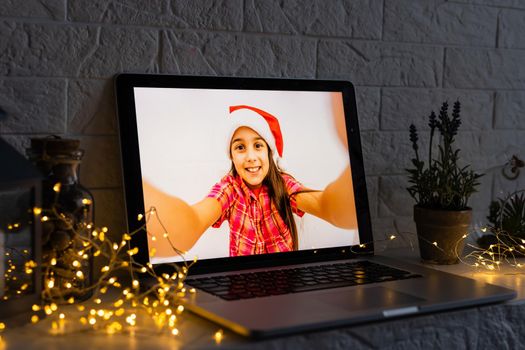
[249, 154]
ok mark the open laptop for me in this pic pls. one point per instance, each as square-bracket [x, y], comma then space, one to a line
[176, 140]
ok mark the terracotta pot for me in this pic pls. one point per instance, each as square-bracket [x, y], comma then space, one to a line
[446, 228]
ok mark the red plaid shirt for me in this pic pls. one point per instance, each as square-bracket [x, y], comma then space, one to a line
[255, 224]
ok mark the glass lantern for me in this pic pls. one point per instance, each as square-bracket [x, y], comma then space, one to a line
[68, 219]
[20, 233]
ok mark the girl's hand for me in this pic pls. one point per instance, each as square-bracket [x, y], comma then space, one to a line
[184, 223]
[335, 204]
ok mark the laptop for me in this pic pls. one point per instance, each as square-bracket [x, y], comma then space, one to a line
[262, 183]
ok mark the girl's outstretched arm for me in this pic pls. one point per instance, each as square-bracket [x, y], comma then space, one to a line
[184, 223]
[334, 204]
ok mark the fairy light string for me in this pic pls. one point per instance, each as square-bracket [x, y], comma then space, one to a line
[117, 306]
[506, 248]
[120, 309]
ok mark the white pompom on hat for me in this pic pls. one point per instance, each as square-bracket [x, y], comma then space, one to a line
[263, 123]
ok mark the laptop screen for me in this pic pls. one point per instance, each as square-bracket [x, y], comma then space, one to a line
[185, 141]
[230, 167]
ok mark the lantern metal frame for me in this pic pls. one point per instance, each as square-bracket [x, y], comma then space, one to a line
[24, 177]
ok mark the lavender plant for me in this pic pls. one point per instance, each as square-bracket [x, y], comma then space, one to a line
[441, 183]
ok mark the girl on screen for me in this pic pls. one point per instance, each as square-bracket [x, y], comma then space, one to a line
[256, 197]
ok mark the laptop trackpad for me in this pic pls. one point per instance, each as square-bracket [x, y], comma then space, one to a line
[367, 298]
[309, 309]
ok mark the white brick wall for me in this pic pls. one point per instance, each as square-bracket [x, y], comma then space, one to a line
[57, 58]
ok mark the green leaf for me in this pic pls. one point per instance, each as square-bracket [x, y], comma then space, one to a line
[442, 184]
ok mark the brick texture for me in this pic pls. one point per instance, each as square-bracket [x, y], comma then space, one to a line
[372, 188]
[402, 107]
[85, 51]
[355, 19]
[238, 55]
[483, 68]
[488, 149]
[33, 106]
[386, 152]
[29, 49]
[101, 163]
[512, 25]
[91, 107]
[368, 102]
[510, 107]
[200, 14]
[495, 3]
[383, 64]
[438, 21]
[58, 59]
[50, 9]
[394, 199]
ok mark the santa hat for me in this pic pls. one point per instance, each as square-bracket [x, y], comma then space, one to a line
[262, 122]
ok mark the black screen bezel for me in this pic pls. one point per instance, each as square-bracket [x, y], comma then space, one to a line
[132, 178]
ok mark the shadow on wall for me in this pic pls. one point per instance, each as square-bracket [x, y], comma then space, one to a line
[3, 115]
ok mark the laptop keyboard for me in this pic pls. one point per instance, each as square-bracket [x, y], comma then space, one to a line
[294, 280]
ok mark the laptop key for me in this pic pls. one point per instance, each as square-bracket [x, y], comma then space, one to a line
[222, 292]
[322, 286]
[218, 289]
[208, 285]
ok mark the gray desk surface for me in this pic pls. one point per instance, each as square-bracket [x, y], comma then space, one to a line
[498, 326]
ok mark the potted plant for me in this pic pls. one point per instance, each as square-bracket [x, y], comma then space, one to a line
[507, 223]
[441, 189]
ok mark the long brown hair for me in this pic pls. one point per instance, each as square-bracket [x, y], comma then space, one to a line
[279, 196]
